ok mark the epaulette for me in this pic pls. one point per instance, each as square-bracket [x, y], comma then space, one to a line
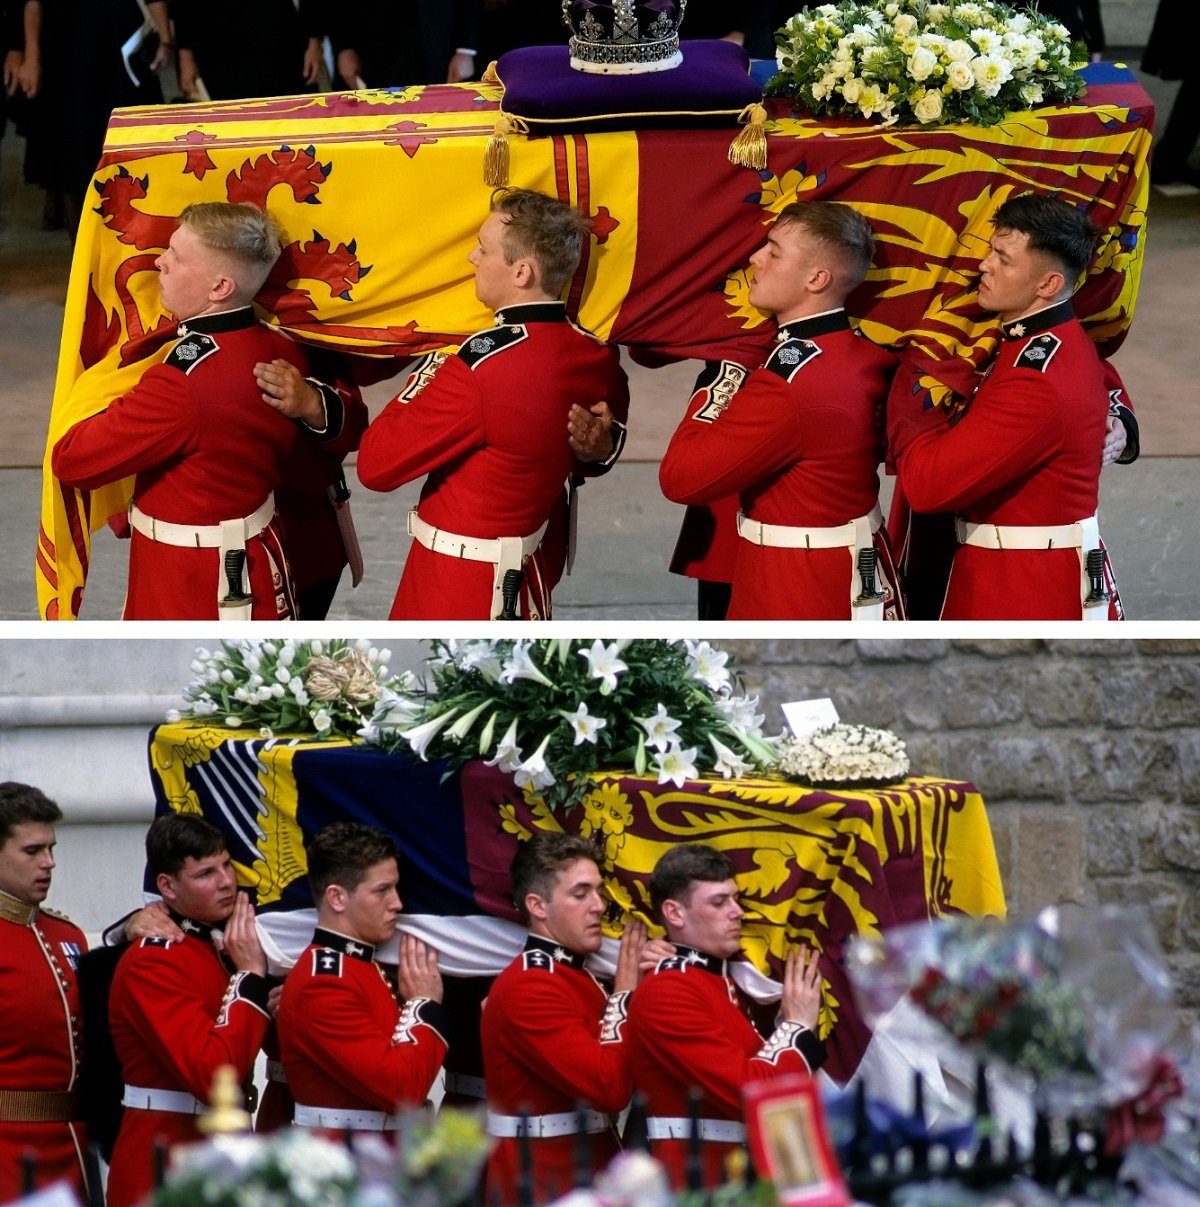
[537, 959]
[673, 964]
[53, 913]
[484, 344]
[791, 356]
[422, 374]
[191, 350]
[157, 941]
[715, 387]
[1039, 352]
[327, 962]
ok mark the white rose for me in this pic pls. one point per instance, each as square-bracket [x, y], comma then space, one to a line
[904, 24]
[959, 51]
[921, 64]
[852, 90]
[960, 77]
[935, 14]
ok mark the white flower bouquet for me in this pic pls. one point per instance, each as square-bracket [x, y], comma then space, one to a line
[552, 711]
[844, 756]
[329, 688]
[290, 1169]
[917, 62]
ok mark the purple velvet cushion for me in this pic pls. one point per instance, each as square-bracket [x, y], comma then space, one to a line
[712, 83]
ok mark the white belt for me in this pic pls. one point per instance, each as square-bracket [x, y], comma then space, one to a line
[337, 1117]
[275, 1072]
[1082, 537]
[225, 536]
[505, 553]
[198, 536]
[465, 1084]
[858, 534]
[178, 1102]
[545, 1126]
[726, 1131]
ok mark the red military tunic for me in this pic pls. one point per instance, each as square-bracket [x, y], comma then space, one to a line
[205, 448]
[489, 427]
[687, 1031]
[39, 1044]
[177, 1013]
[1026, 452]
[345, 1041]
[798, 441]
[551, 1041]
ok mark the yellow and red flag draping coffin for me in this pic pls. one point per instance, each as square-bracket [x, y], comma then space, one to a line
[381, 195]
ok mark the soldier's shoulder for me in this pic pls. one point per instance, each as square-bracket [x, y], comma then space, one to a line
[1039, 352]
[191, 350]
[481, 347]
[789, 357]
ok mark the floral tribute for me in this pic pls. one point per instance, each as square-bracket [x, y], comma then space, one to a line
[552, 711]
[996, 988]
[914, 62]
[330, 688]
[846, 755]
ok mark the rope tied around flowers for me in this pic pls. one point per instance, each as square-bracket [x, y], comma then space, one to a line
[348, 675]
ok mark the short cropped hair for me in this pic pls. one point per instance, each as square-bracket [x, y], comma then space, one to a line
[539, 861]
[242, 231]
[175, 838]
[545, 230]
[684, 866]
[840, 226]
[22, 803]
[1055, 227]
[344, 853]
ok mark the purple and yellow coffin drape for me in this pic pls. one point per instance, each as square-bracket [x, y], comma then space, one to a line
[381, 195]
[813, 866]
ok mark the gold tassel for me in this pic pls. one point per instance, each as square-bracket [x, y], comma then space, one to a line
[496, 154]
[490, 76]
[749, 147]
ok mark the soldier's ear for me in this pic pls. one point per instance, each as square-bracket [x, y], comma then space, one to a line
[166, 888]
[535, 906]
[672, 913]
[335, 897]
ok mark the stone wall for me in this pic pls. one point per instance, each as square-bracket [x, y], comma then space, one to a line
[1087, 753]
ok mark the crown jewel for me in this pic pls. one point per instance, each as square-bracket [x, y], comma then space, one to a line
[624, 37]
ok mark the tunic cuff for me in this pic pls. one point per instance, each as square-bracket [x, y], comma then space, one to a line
[791, 1036]
[335, 412]
[613, 1020]
[418, 1011]
[246, 987]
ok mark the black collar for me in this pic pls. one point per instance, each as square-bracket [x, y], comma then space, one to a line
[689, 955]
[224, 320]
[355, 948]
[532, 312]
[13, 909]
[814, 324]
[189, 926]
[556, 951]
[1040, 320]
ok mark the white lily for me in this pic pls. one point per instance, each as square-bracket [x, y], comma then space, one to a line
[729, 763]
[520, 665]
[586, 726]
[708, 665]
[462, 726]
[533, 773]
[420, 736]
[660, 728]
[677, 765]
[604, 664]
[508, 753]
